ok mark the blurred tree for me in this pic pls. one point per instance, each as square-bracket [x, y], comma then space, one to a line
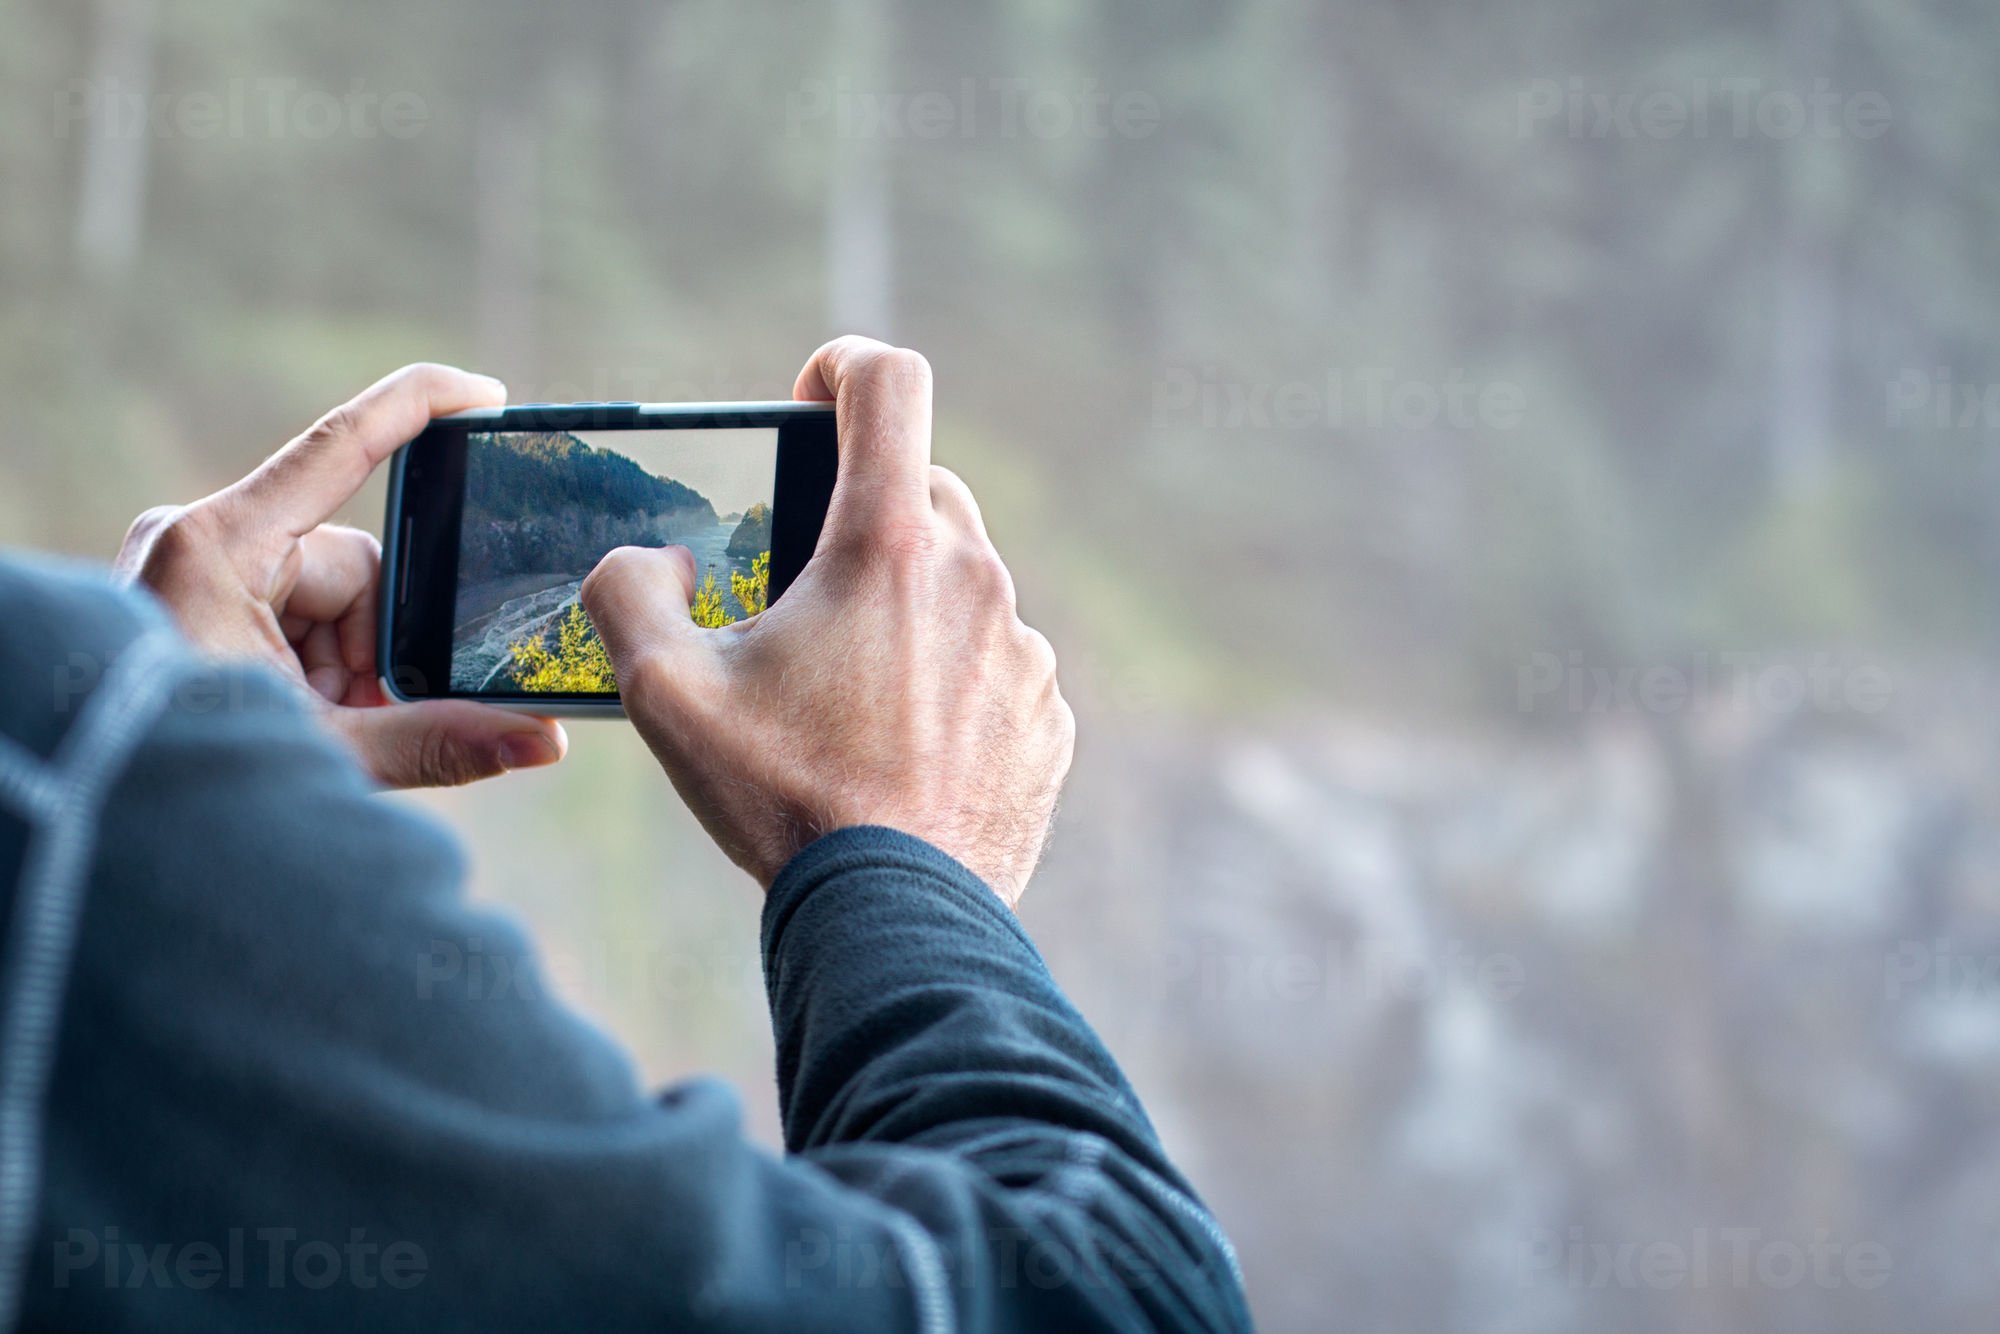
[116, 103]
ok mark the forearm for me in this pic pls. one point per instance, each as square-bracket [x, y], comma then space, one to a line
[925, 1055]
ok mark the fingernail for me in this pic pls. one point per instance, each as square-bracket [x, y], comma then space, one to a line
[527, 750]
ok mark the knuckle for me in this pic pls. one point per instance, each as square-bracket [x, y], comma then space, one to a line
[618, 563]
[854, 348]
[1064, 719]
[418, 379]
[336, 425]
[948, 488]
[619, 567]
[901, 368]
[683, 563]
[1040, 652]
[846, 359]
[986, 575]
[441, 763]
[170, 536]
[146, 529]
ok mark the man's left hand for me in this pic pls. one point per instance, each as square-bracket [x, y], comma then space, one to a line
[256, 573]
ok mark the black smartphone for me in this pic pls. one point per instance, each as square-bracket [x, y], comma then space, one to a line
[496, 516]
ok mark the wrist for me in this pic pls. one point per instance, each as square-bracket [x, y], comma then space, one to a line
[885, 837]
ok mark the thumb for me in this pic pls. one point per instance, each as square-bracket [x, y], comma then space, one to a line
[447, 743]
[638, 600]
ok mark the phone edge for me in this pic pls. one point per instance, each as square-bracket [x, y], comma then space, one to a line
[392, 536]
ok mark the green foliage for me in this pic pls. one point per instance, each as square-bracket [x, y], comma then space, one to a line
[708, 611]
[579, 663]
[753, 592]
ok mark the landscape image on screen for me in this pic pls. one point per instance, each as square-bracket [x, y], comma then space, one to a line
[542, 508]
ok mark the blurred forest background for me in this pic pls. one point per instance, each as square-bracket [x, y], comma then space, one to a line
[1514, 488]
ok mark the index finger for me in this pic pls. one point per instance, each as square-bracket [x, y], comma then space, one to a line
[882, 407]
[305, 483]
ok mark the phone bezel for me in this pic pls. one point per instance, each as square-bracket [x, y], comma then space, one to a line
[426, 500]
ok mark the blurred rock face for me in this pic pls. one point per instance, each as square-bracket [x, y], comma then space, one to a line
[1476, 1017]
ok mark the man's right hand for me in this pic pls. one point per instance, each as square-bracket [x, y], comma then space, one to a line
[893, 684]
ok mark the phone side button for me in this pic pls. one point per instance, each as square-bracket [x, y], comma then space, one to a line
[403, 559]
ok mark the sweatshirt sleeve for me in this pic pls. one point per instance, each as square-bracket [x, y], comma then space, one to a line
[299, 1083]
[926, 1056]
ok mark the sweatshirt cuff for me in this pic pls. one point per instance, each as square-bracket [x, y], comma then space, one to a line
[878, 849]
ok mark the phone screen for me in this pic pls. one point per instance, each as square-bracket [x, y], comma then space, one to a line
[542, 508]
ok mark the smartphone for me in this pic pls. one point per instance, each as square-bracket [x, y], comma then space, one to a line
[496, 516]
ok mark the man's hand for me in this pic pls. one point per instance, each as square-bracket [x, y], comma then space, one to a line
[256, 573]
[893, 684]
